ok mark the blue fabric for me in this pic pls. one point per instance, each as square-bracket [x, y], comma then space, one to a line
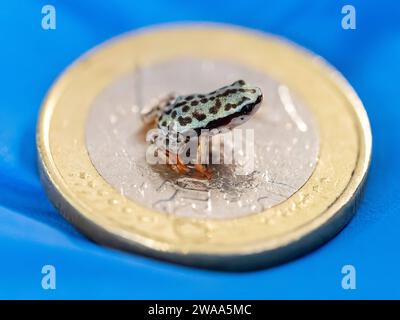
[33, 234]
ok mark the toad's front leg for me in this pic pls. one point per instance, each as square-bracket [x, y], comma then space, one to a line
[176, 163]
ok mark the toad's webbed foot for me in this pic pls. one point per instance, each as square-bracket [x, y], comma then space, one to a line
[202, 171]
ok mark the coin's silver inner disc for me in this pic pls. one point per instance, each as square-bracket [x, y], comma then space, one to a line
[286, 142]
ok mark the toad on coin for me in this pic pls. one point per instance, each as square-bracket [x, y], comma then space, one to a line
[213, 113]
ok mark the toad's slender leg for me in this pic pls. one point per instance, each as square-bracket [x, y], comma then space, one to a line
[149, 114]
[207, 173]
[199, 167]
[179, 166]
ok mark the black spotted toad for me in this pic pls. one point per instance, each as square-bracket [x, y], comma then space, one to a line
[214, 112]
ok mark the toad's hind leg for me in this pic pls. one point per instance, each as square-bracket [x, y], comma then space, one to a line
[150, 113]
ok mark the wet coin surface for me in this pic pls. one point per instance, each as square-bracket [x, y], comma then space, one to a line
[310, 151]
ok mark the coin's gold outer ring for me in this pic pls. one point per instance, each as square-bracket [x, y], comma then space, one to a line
[307, 219]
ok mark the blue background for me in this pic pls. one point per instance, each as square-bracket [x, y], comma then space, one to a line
[32, 233]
